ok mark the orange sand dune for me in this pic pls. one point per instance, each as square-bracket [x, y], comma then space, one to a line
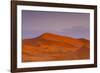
[52, 47]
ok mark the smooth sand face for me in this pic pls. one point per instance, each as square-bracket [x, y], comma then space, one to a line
[52, 47]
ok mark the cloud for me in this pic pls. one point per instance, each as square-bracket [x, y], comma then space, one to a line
[77, 31]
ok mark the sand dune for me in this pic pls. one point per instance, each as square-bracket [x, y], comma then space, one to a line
[52, 47]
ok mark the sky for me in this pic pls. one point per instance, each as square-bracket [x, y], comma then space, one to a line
[35, 23]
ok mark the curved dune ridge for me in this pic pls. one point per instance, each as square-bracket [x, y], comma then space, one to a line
[53, 47]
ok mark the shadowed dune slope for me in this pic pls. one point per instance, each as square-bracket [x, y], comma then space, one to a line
[52, 47]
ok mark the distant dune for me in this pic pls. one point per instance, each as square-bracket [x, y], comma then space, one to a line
[52, 47]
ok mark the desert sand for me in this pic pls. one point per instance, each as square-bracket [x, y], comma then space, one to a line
[53, 47]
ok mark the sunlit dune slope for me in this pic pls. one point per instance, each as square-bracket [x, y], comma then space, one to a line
[52, 47]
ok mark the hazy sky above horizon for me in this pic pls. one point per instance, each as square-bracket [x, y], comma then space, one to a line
[35, 23]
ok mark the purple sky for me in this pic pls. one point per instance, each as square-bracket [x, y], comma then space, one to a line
[36, 23]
